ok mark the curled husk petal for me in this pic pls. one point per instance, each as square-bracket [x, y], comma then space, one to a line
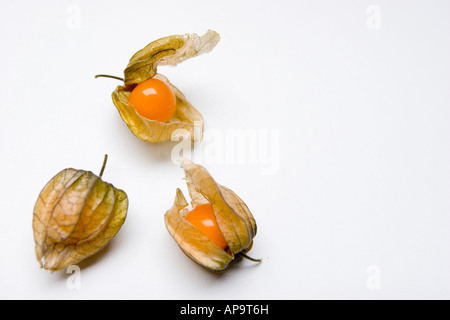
[186, 120]
[233, 217]
[75, 216]
[169, 50]
[193, 242]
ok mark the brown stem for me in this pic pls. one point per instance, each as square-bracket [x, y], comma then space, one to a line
[104, 165]
[249, 258]
[108, 76]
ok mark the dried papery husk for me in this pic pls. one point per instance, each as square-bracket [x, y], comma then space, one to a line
[187, 121]
[75, 216]
[233, 217]
[193, 242]
[169, 50]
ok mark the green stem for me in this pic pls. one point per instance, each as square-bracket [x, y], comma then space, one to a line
[104, 165]
[108, 76]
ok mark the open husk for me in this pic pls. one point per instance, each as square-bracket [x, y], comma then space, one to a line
[142, 66]
[75, 216]
[185, 120]
[233, 217]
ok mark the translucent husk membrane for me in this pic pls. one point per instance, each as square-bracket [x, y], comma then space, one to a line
[233, 217]
[143, 65]
[75, 216]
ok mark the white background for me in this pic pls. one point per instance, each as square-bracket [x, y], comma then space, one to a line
[363, 154]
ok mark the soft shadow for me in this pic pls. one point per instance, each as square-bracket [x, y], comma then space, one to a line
[138, 148]
[62, 275]
[155, 152]
[87, 263]
[240, 264]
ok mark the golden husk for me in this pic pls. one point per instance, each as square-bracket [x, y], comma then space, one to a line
[184, 122]
[143, 65]
[75, 216]
[233, 217]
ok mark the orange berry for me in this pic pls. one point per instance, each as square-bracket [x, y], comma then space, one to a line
[202, 217]
[153, 99]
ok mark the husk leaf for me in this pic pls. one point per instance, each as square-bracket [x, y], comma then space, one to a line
[75, 216]
[169, 50]
[233, 217]
[193, 242]
[184, 122]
